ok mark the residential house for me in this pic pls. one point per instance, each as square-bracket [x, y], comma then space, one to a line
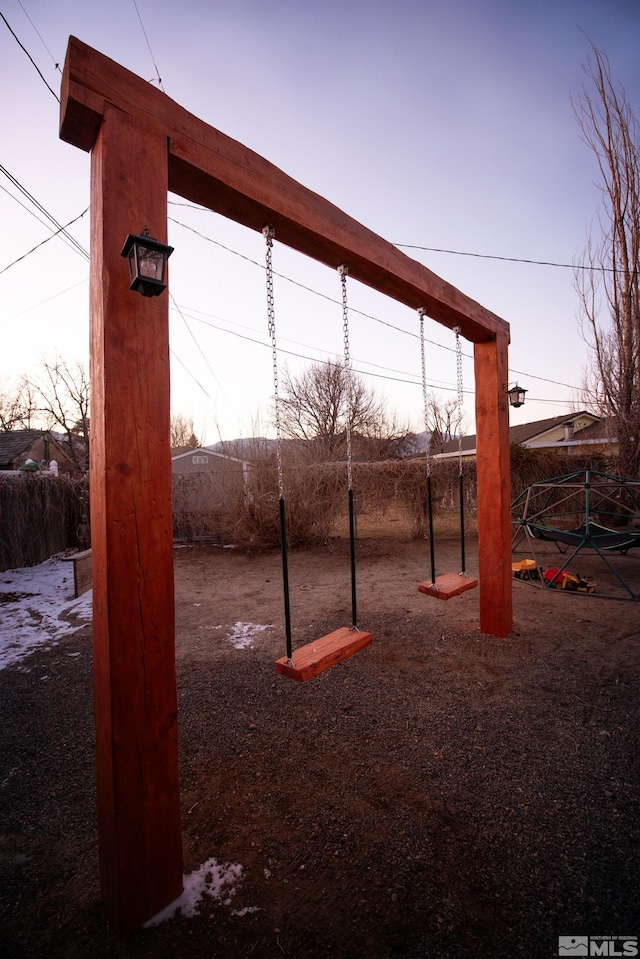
[570, 433]
[206, 460]
[41, 446]
[206, 485]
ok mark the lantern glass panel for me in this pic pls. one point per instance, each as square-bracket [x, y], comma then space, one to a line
[151, 263]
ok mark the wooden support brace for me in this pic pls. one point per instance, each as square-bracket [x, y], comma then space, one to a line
[314, 658]
[448, 585]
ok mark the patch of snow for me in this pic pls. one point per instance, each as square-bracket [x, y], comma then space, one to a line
[242, 635]
[32, 603]
[245, 911]
[217, 882]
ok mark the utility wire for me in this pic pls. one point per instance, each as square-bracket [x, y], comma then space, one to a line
[190, 372]
[48, 299]
[514, 259]
[324, 362]
[42, 243]
[149, 46]
[30, 211]
[200, 350]
[58, 226]
[56, 65]
[22, 46]
[302, 286]
[368, 316]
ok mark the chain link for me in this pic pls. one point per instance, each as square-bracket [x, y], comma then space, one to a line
[456, 330]
[344, 272]
[269, 233]
[425, 399]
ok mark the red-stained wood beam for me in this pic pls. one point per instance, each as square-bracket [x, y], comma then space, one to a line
[139, 831]
[494, 486]
[209, 168]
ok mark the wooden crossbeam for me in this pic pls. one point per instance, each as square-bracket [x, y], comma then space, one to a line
[315, 657]
[212, 169]
[448, 585]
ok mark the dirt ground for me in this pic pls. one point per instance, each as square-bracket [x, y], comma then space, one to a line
[441, 794]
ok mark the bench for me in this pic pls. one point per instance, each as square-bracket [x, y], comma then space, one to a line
[81, 571]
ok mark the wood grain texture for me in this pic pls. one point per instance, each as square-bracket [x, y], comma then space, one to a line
[494, 487]
[133, 624]
[448, 585]
[314, 658]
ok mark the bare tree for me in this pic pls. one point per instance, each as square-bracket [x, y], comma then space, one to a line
[609, 288]
[443, 421]
[317, 406]
[17, 407]
[62, 394]
[182, 433]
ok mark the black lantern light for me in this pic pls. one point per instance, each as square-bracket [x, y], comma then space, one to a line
[516, 395]
[147, 263]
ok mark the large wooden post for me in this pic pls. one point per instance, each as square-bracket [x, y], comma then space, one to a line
[494, 486]
[133, 614]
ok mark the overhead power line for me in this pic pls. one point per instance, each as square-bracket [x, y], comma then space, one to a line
[149, 46]
[56, 65]
[60, 229]
[513, 259]
[330, 299]
[42, 243]
[22, 47]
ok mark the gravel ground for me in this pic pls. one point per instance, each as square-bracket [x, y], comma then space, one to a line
[442, 794]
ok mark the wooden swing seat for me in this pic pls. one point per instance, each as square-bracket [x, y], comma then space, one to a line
[321, 654]
[448, 585]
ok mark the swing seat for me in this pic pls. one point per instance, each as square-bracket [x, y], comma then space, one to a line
[448, 585]
[315, 657]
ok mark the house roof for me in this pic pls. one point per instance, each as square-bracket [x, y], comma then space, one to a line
[524, 433]
[15, 442]
[204, 451]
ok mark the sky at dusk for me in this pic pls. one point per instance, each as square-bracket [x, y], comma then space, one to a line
[446, 124]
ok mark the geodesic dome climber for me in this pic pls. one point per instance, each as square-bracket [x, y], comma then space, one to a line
[587, 509]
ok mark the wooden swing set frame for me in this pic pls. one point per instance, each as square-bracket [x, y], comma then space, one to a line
[143, 145]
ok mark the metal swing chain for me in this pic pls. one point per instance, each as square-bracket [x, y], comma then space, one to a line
[460, 479]
[425, 400]
[344, 272]
[269, 233]
[422, 313]
[456, 330]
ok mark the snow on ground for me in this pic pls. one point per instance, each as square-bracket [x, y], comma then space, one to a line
[241, 635]
[217, 882]
[33, 601]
